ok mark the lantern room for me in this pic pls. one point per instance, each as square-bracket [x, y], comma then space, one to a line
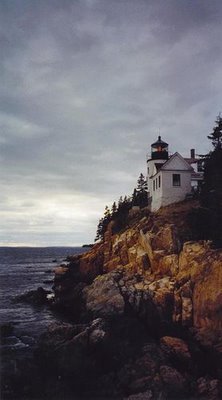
[159, 150]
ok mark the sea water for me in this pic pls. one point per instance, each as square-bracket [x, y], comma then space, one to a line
[22, 270]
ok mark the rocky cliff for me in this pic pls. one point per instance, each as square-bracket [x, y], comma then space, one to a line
[151, 301]
[154, 259]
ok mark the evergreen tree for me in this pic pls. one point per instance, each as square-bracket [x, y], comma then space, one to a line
[114, 209]
[134, 198]
[141, 183]
[140, 196]
[119, 213]
[211, 193]
[120, 202]
[107, 218]
[103, 223]
[107, 213]
[216, 135]
[99, 230]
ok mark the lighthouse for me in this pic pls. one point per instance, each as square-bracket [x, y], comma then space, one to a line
[159, 155]
[169, 179]
[159, 150]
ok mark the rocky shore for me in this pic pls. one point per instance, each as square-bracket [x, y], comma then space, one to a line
[145, 316]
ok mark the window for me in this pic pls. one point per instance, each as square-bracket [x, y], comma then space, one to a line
[159, 181]
[154, 186]
[176, 180]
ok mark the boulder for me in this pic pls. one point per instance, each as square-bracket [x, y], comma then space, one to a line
[167, 239]
[60, 272]
[103, 297]
[140, 374]
[65, 349]
[207, 298]
[69, 298]
[169, 265]
[176, 350]
[147, 395]
[208, 388]
[34, 297]
[174, 382]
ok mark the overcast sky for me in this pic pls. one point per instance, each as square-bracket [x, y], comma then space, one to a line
[86, 87]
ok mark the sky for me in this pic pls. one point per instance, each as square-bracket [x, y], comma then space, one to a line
[86, 86]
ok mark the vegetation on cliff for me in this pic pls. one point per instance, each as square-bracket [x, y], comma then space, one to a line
[119, 213]
[211, 194]
[206, 221]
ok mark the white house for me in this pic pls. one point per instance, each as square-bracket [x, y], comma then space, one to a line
[170, 178]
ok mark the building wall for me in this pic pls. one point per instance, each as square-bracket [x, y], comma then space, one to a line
[150, 166]
[158, 192]
[150, 171]
[167, 193]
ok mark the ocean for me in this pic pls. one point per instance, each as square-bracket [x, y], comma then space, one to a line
[22, 270]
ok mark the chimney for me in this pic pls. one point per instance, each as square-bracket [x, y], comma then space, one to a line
[192, 153]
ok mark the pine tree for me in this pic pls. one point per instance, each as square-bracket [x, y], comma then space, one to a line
[103, 223]
[141, 183]
[119, 213]
[211, 193]
[216, 135]
[120, 202]
[99, 230]
[107, 213]
[134, 198]
[140, 196]
[114, 209]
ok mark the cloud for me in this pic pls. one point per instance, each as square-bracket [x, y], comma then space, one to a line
[86, 87]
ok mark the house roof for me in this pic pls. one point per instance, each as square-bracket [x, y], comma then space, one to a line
[191, 160]
[184, 164]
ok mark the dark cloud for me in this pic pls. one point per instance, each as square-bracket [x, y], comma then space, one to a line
[86, 87]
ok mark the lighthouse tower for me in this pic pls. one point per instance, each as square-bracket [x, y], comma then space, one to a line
[168, 178]
[159, 155]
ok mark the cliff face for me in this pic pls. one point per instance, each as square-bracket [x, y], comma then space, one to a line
[170, 286]
[154, 259]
